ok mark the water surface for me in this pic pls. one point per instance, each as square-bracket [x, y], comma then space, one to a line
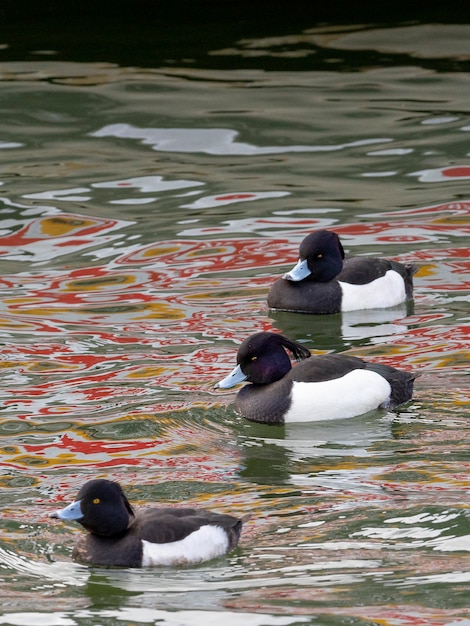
[145, 211]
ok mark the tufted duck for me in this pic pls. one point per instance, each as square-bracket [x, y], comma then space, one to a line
[322, 387]
[119, 536]
[323, 281]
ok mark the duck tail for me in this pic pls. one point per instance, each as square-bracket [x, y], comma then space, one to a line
[401, 383]
[402, 389]
[236, 530]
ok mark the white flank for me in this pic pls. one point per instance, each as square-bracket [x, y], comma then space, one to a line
[356, 393]
[203, 544]
[381, 293]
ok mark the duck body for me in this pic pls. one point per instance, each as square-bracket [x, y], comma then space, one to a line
[324, 282]
[323, 387]
[119, 537]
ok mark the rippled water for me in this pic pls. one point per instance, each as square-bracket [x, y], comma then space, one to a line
[144, 214]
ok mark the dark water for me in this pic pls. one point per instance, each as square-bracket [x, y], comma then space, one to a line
[145, 211]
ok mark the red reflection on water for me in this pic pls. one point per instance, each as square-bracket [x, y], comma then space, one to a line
[193, 258]
[457, 172]
[150, 319]
[443, 173]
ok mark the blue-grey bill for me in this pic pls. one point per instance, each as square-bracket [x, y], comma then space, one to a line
[236, 376]
[298, 272]
[71, 512]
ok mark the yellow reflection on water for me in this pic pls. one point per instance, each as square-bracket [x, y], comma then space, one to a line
[60, 226]
[99, 282]
[157, 251]
[150, 372]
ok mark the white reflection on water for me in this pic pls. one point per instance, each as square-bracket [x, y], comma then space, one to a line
[377, 323]
[448, 577]
[338, 438]
[416, 532]
[68, 195]
[150, 616]
[185, 618]
[59, 573]
[220, 141]
[37, 619]
[424, 517]
[427, 533]
[453, 544]
[359, 564]
[442, 119]
[205, 582]
[148, 183]
[144, 184]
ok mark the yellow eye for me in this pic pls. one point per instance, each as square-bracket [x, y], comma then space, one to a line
[253, 358]
[96, 501]
[319, 256]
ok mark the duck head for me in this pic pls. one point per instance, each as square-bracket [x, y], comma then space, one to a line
[320, 258]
